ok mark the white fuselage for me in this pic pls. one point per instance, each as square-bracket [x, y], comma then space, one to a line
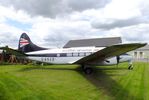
[71, 55]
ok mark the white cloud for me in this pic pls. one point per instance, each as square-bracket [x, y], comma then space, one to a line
[52, 8]
[138, 33]
[120, 14]
[128, 19]
[122, 9]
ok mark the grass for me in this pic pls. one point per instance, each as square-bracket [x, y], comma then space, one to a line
[68, 82]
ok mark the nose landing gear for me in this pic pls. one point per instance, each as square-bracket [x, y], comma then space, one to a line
[130, 67]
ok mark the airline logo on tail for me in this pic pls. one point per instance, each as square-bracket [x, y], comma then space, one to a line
[23, 42]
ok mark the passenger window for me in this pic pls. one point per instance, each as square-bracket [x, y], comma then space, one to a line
[69, 54]
[63, 55]
[47, 59]
[58, 55]
[81, 54]
[75, 54]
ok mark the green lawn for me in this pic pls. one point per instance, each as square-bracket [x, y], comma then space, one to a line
[68, 82]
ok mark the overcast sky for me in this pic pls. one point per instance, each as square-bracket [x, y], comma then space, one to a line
[51, 23]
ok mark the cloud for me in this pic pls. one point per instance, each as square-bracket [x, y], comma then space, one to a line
[87, 4]
[54, 22]
[9, 35]
[117, 23]
[138, 33]
[12, 24]
[51, 32]
[119, 14]
[52, 8]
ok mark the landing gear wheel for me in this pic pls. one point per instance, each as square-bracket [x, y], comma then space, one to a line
[88, 70]
[130, 67]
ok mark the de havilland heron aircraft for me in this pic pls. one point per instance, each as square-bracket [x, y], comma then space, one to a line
[87, 57]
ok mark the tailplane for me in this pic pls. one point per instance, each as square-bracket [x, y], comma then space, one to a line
[26, 45]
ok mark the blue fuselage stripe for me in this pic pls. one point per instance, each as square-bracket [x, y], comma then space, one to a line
[82, 54]
[61, 54]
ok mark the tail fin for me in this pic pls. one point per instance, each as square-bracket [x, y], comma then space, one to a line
[26, 45]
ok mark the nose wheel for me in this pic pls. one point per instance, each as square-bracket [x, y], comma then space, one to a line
[130, 67]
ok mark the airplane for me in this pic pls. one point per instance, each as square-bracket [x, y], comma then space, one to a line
[84, 56]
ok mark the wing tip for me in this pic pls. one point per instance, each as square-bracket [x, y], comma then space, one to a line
[142, 44]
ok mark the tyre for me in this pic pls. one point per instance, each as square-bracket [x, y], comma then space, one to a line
[88, 70]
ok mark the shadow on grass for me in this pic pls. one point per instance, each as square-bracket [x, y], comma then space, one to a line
[99, 78]
[51, 68]
[107, 85]
[78, 68]
[113, 68]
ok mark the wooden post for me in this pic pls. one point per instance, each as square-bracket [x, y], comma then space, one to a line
[12, 59]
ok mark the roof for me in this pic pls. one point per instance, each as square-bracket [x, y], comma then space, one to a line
[144, 48]
[98, 42]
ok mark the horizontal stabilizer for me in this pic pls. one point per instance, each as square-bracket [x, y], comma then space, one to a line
[13, 51]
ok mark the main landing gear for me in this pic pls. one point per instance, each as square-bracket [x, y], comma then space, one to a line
[87, 69]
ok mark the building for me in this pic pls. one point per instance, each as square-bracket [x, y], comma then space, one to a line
[97, 42]
[138, 54]
[141, 53]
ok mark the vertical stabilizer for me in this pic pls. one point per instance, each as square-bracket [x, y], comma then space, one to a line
[26, 45]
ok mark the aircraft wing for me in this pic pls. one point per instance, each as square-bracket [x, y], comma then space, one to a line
[13, 51]
[110, 51]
